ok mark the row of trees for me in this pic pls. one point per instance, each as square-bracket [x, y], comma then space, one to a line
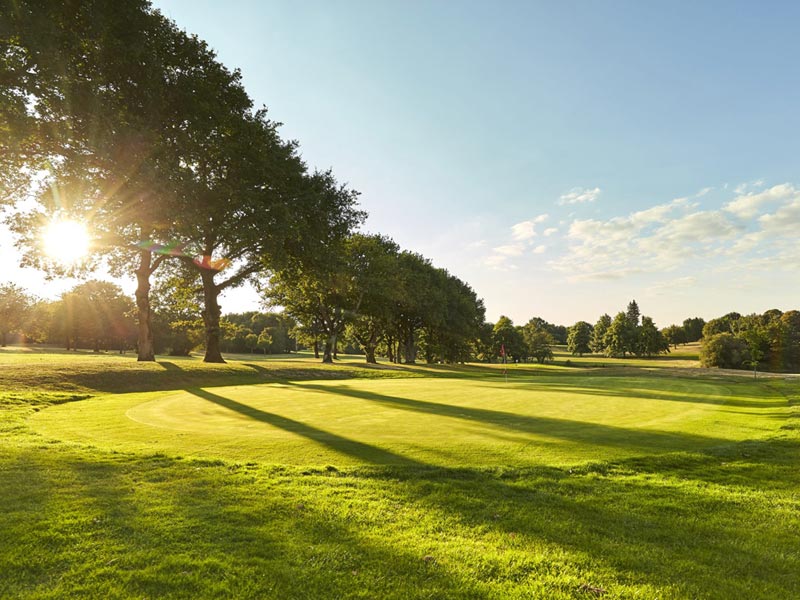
[769, 341]
[532, 341]
[386, 299]
[98, 315]
[628, 333]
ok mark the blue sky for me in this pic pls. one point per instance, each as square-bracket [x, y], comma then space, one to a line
[563, 158]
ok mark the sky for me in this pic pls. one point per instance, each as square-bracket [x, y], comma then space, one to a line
[562, 158]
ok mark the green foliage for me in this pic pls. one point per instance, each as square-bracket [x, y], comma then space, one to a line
[772, 338]
[579, 338]
[15, 306]
[693, 329]
[599, 331]
[617, 338]
[508, 337]
[725, 351]
[538, 341]
[674, 335]
[96, 315]
[651, 341]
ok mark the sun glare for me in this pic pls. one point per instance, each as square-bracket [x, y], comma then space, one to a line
[66, 242]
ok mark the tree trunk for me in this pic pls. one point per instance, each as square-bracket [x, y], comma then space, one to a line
[410, 349]
[211, 316]
[316, 348]
[327, 356]
[3, 338]
[390, 349]
[370, 352]
[145, 345]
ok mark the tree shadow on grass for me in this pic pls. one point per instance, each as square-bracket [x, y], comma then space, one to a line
[342, 445]
[621, 391]
[87, 522]
[99, 525]
[621, 387]
[595, 434]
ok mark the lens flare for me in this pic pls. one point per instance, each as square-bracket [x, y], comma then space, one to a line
[66, 242]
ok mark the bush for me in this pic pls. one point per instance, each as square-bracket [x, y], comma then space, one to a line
[724, 351]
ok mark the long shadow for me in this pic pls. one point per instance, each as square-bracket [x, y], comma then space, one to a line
[578, 431]
[353, 448]
[586, 388]
[169, 366]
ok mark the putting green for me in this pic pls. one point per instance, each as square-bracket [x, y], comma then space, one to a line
[554, 420]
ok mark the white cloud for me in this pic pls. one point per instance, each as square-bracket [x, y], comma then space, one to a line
[498, 262]
[539, 249]
[749, 185]
[703, 192]
[579, 196]
[656, 239]
[784, 221]
[541, 218]
[509, 250]
[747, 206]
[550, 231]
[524, 230]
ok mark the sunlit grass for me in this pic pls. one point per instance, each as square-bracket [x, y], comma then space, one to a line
[646, 485]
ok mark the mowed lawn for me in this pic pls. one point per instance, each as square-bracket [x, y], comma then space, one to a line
[285, 479]
[453, 422]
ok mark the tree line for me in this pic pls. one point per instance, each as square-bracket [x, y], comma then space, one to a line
[768, 341]
[114, 116]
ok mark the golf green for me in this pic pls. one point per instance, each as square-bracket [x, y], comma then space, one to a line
[444, 422]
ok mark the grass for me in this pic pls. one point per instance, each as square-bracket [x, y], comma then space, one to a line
[284, 479]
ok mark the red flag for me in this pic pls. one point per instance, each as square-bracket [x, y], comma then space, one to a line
[503, 350]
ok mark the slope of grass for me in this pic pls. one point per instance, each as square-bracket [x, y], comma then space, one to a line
[701, 507]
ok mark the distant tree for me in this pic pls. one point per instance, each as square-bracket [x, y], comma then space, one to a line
[651, 341]
[373, 262]
[98, 314]
[723, 350]
[724, 324]
[618, 337]
[482, 343]
[579, 338]
[790, 344]
[599, 332]
[632, 331]
[505, 336]
[422, 303]
[251, 341]
[15, 306]
[633, 313]
[539, 341]
[177, 327]
[448, 339]
[693, 329]
[558, 332]
[674, 335]
[38, 326]
[264, 341]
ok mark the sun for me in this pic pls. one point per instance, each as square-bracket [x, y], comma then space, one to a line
[66, 242]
